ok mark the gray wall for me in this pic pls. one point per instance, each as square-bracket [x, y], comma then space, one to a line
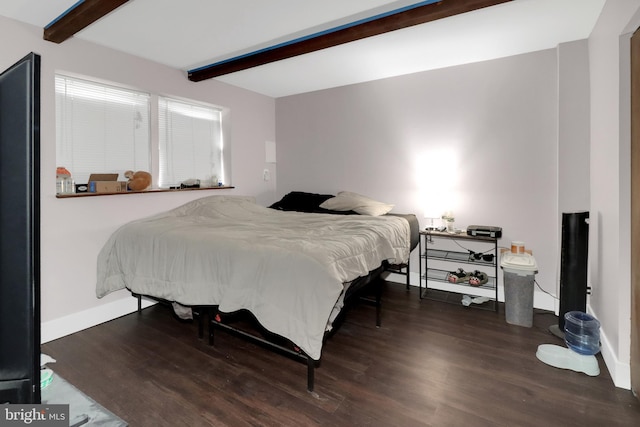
[609, 238]
[479, 139]
[573, 126]
[74, 230]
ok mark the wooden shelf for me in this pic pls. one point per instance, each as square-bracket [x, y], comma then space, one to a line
[155, 190]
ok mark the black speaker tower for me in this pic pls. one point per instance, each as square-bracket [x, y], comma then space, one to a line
[573, 266]
[20, 232]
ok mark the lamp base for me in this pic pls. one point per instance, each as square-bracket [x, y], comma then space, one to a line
[555, 330]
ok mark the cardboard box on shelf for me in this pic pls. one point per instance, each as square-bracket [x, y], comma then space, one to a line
[106, 183]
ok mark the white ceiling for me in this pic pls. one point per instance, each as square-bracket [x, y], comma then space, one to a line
[186, 34]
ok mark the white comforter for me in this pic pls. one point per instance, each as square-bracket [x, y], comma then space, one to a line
[287, 268]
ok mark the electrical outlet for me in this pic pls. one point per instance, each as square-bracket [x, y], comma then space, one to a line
[266, 175]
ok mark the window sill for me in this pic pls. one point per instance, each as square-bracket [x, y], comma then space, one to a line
[156, 190]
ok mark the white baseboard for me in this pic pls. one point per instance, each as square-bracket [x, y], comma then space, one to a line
[620, 372]
[85, 319]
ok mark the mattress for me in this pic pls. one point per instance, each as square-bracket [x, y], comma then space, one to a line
[287, 268]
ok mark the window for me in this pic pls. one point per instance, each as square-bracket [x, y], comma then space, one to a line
[190, 142]
[101, 128]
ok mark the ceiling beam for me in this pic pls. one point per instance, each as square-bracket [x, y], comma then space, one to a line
[424, 12]
[79, 16]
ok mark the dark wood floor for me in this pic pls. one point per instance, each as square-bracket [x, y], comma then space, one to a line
[430, 364]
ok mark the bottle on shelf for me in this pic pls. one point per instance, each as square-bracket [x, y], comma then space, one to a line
[64, 181]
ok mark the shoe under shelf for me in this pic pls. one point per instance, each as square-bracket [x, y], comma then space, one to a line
[441, 276]
[437, 287]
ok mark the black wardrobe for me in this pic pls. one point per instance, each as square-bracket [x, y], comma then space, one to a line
[20, 232]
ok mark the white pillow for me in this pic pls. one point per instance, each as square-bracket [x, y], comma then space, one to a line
[348, 201]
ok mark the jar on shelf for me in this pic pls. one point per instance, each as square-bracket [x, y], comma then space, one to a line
[64, 182]
[448, 221]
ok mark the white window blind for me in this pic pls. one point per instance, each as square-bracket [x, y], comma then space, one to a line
[101, 128]
[190, 142]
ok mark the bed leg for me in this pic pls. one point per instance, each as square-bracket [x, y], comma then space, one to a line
[139, 303]
[200, 315]
[408, 272]
[211, 312]
[378, 303]
[310, 374]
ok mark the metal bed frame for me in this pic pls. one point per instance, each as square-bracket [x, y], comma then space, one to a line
[223, 321]
[217, 319]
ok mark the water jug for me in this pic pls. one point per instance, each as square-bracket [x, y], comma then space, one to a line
[582, 332]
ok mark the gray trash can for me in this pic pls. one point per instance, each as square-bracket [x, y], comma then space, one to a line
[519, 278]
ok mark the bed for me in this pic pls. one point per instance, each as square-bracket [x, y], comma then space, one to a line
[291, 270]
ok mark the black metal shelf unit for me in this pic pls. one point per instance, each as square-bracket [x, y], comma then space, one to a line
[455, 258]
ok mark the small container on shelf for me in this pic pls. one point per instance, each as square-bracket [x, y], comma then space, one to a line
[64, 181]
